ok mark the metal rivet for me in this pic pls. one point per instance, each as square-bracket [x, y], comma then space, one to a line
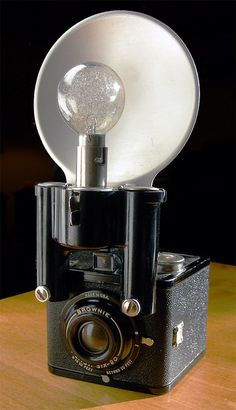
[105, 378]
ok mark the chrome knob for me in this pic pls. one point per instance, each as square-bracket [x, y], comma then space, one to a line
[170, 263]
[42, 294]
[130, 307]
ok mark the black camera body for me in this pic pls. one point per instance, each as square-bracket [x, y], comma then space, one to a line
[120, 312]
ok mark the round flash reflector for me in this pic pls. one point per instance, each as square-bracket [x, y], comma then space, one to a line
[161, 94]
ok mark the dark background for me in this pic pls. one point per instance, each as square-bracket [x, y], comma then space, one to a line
[199, 216]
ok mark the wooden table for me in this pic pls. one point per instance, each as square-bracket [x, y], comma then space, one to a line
[27, 384]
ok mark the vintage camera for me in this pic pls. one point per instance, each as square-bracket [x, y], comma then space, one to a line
[120, 312]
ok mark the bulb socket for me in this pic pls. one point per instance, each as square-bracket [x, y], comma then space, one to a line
[91, 170]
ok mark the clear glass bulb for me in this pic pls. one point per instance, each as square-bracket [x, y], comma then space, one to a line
[91, 98]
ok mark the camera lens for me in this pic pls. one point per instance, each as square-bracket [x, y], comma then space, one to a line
[98, 335]
[93, 337]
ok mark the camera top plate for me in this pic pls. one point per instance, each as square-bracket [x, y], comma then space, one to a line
[161, 88]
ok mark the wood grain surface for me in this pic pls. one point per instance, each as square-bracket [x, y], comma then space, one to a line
[25, 382]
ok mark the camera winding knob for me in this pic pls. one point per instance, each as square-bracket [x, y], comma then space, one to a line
[170, 263]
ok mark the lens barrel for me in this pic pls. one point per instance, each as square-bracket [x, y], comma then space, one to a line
[97, 335]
